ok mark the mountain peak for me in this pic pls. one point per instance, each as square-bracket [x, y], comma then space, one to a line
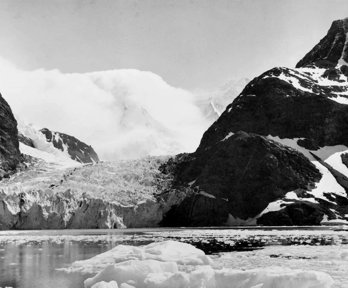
[332, 50]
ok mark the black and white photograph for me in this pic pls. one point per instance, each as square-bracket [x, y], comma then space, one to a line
[173, 144]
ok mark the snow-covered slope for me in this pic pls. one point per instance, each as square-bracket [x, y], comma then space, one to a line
[43, 149]
[71, 146]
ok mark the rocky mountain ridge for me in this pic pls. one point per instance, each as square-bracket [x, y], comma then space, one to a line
[76, 149]
[305, 111]
[332, 50]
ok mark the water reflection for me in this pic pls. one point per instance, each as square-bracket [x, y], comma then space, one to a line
[34, 264]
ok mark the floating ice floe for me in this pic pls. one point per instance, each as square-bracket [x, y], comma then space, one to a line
[164, 265]
[207, 277]
[167, 251]
[331, 260]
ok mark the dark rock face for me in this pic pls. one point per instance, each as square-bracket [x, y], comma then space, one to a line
[299, 214]
[328, 51]
[344, 158]
[271, 105]
[10, 155]
[25, 140]
[77, 150]
[240, 176]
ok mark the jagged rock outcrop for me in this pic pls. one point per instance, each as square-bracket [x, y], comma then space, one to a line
[10, 155]
[299, 214]
[77, 150]
[305, 110]
[331, 50]
[26, 140]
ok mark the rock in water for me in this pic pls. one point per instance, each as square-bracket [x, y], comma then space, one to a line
[77, 150]
[10, 155]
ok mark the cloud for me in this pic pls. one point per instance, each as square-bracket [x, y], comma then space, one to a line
[123, 113]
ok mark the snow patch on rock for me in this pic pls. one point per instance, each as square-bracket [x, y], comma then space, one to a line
[43, 150]
[228, 136]
[330, 155]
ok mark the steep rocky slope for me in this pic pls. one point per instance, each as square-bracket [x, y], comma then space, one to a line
[76, 149]
[53, 150]
[331, 50]
[299, 181]
[9, 147]
[239, 175]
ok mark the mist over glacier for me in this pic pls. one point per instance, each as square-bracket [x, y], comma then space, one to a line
[123, 114]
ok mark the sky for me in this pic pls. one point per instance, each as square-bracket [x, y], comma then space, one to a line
[191, 44]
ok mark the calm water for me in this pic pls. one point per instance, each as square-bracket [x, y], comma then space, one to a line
[31, 258]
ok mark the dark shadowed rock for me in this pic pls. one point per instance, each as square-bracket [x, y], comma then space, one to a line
[344, 158]
[329, 51]
[271, 105]
[25, 140]
[240, 173]
[77, 150]
[299, 214]
[10, 155]
[239, 176]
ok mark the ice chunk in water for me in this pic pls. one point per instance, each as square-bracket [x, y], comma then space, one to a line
[135, 271]
[103, 284]
[156, 266]
[172, 251]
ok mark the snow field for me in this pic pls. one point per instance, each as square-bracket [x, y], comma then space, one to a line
[44, 150]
